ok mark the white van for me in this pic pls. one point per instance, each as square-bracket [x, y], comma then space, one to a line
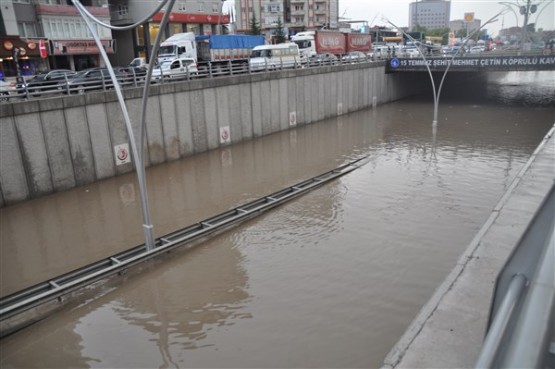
[175, 69]
[268, 57]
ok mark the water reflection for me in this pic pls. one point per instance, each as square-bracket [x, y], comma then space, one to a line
[150, 320]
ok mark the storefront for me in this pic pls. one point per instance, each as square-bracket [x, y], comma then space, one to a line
[20, 55]
[78, 54]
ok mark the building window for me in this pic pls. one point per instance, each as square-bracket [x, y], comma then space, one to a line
[22, 1]
[27, 29]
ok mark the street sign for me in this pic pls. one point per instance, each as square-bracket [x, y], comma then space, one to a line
[468, 17]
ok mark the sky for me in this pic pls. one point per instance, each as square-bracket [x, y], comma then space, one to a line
[397, 11]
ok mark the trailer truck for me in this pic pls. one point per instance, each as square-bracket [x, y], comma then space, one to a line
[217, 52]
[312, 43]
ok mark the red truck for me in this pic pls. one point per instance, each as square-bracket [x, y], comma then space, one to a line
[331, 42]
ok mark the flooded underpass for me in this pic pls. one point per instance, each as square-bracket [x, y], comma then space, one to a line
[331, 279]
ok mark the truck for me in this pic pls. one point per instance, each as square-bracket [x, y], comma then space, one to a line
[219, 50]
[222, 50]
[337, 43]
[178, 46]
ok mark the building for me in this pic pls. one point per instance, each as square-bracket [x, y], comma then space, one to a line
[202, 17]
[458, 25]
[58, 25]
[295, 15]
[431, 14]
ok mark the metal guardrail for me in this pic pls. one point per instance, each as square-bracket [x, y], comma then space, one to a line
[28, 90]
[522, 316]
[17, 303]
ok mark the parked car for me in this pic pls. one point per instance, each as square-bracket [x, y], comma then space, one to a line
[175, 69]
[93, 79]
[476, 49]
[47, 81]
[354, 57]
[324, 59]
[7, 89]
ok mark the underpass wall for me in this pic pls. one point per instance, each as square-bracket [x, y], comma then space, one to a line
[59, 143]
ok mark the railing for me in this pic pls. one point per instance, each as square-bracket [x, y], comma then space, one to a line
[522, 317]
[134, 77]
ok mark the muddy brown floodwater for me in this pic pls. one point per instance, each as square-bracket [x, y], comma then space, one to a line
[331, 279]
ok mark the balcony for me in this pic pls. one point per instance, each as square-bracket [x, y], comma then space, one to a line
[297, 12]
[298, 1]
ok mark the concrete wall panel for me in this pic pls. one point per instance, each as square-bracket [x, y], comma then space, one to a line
[246, 111]
[80, 145]
[184, 123]
[200, 140]
[234, 97]
[283, 105]
[274, 106]
[104, 161]
[34, 154]
[154, 131]
[13, 181]
[266, 107]
[169, 126]
[57, 146]
[211, 117]
[292, 97]
[256, 99]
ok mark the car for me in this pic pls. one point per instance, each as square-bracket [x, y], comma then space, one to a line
[411, 52]
[354, 57]
[47, 81]
[7, 89]
[323, 59]
[93, 79]
[181, 68]
[476, 49]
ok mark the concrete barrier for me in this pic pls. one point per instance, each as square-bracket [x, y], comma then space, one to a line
[58, 143]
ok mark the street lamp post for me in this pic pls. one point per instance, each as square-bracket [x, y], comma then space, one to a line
[136, 148]
[438, 92]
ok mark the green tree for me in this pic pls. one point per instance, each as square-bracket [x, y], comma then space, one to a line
[280, 35]
[254, 26]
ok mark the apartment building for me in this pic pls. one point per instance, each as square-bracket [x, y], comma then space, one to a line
[56, 24]
[295, 15]
[431, 14]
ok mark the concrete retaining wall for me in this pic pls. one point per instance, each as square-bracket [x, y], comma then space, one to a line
[58, 143]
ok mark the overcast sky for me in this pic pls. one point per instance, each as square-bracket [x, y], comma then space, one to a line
[397, 11]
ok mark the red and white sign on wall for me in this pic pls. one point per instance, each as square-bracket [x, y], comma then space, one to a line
[225, 135]
[122, 154]
[42, 49]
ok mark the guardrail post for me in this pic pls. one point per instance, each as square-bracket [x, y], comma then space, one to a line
[210, 70]
[230, 68]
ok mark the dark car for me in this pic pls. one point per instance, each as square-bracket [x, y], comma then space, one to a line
[47, 81]
[93, 79]
[323, 59]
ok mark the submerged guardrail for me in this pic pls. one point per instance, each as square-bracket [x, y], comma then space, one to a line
[55, 288]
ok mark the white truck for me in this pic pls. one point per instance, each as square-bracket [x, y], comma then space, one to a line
[178, 46]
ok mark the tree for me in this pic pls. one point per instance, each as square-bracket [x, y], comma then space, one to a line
[280, 35]
[254, 26]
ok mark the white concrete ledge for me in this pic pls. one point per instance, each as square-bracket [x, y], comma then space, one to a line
[449, 330]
